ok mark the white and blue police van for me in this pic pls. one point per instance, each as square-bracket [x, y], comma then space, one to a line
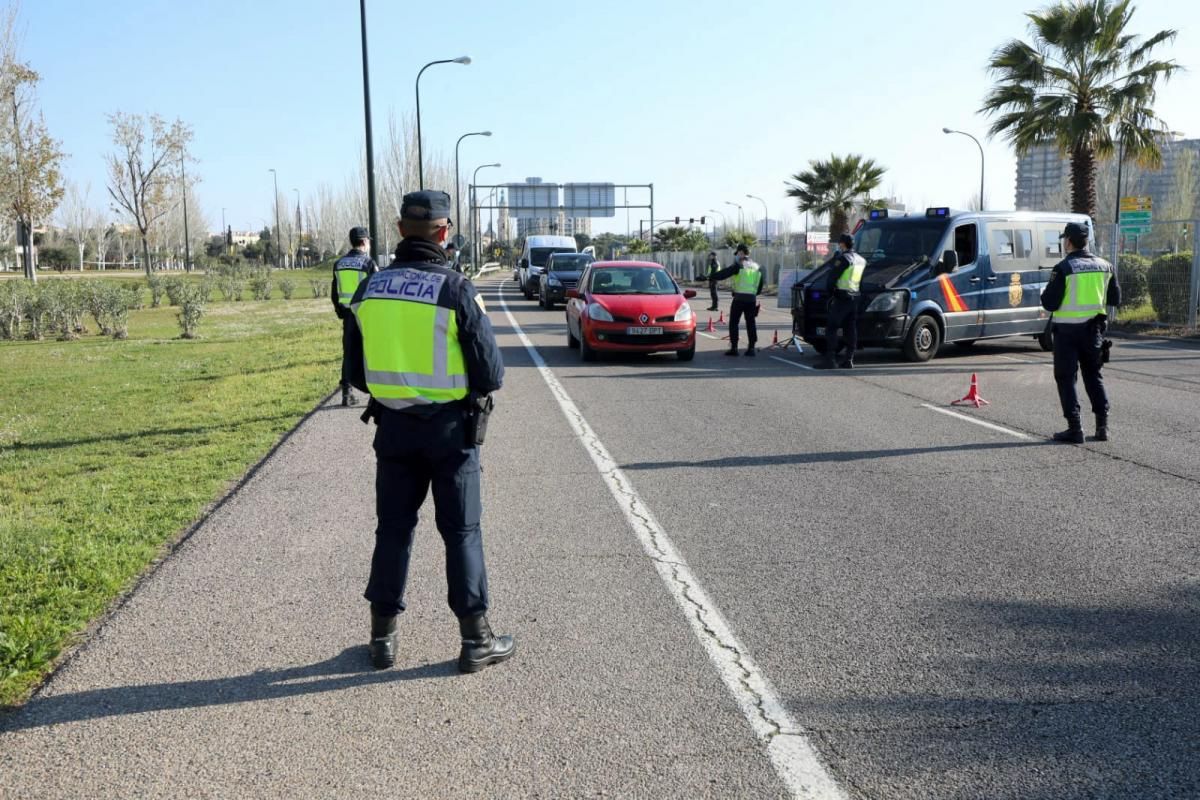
[944, 276]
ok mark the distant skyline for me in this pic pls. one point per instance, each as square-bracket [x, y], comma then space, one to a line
[707, 105]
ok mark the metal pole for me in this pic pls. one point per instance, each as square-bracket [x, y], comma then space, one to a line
[224, 238]
[275, 178]
[420, 162]
[457, 209]
[651, 213]
[977, 144]
[371, 225]
[1117, 204]
[766, 218]
[187, 250]
[300, 230]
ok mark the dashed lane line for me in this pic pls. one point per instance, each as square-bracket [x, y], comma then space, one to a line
[793, 756]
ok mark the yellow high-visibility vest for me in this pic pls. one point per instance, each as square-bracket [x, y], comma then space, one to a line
[1086, 292]
[746, 281]
[349, 271]
[851, 277]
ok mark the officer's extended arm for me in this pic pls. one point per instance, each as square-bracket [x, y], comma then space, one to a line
[485, 367]
[728, 272]
[1056, 289]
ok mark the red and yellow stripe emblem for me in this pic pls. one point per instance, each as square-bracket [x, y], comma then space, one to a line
[953, 301]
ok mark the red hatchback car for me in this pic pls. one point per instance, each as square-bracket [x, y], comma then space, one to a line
[630, 307]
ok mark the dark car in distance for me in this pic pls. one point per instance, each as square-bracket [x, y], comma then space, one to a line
[562, 273]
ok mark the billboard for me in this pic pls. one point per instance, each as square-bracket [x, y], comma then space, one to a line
[532, 200]
[589, 199]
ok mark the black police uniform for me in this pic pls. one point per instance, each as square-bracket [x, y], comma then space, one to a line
[428, 446]
[843, 314]
[713, 268]
[742, 305]
[1079, 348]
[355, 259]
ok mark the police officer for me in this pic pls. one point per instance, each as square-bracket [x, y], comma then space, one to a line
[1081, 286]
[712, 268]
[348, 272]
[452, 256]
[845, 277]
[428, 357]
[747, 285]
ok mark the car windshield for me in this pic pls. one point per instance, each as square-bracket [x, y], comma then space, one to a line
[539, 255]
[570, 263]
[632, 280]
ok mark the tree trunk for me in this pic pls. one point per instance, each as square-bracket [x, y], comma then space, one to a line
[146, 255]
[25, 231]
[1083, 181]
[837, 224]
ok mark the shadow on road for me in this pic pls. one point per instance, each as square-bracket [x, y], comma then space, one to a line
[826, 458]
[347, 669]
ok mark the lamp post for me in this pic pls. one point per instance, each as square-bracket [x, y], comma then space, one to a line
[299, 229]
[275, 179]
[475, 180]
[224, 238]
[187, 250]
[977, 144]
[420, 166]
[766, 219]
[457, 209]
[362, 10]
[741, 223]
[724, 227]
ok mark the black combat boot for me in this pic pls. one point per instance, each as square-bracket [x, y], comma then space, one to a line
[750, 351]
[481, 647]
[846, 363]
[1101, 427]
[383, 641]
[348, 398]
[1072, 435]
[825, 363]
[731, 351]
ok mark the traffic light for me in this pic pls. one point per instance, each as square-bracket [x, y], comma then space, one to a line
[677, 220]
[691, 220]
[702, 220]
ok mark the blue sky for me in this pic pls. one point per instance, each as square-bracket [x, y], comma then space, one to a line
[709, 101]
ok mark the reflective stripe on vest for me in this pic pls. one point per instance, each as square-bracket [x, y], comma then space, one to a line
[746, 280]
[411, 352]
[851, 277]
[1086, 292]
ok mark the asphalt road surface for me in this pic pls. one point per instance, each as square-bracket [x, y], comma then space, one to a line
[732, 577]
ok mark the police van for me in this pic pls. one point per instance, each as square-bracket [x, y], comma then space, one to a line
[945, 276]
[534, 254]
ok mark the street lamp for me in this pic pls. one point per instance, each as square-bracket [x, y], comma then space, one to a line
[724, 227]
[299, 228]
[977, 144]
[474, 238]
[766, 219]
[275, 178]
[741, 223]
[420, 166]
[224, 238]
[457, 209]
[187, 248]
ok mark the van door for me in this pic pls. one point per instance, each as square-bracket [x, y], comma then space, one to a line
[958, 293]
[1012, 298]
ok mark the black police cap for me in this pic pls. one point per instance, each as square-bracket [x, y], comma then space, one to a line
[359, 234]
[425, 206]
[741, 248]
[1075, 231]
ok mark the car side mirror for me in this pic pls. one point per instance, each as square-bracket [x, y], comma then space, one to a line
[572, 293]
[524, 263]
[689, 293]
[949, 262]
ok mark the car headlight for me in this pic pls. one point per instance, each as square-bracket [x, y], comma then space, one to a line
[553, 281]
[888, 302]
[598, 313]
[684, 313]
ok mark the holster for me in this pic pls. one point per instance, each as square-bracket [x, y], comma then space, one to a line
[1097, 325]
[479, 409]
[371, 412]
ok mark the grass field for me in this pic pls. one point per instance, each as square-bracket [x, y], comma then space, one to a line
[109, 449]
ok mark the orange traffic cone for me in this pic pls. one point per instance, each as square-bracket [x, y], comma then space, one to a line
[775, 337]
[972, 397]
[721, 319]
[710, 328]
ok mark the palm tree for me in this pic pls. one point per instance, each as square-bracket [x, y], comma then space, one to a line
[1084, 84]
[835, 186]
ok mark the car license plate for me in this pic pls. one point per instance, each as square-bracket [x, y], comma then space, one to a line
[820, 331]
[643, 331]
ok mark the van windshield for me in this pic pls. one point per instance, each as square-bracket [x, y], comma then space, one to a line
[539, 255]
[890, 246]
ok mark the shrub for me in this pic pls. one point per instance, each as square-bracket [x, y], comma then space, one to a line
[12, 307]
[155, 282]
[205, 288]
[318, 287]
[34, 309]
[174, 288]
[191, 309]
[260, 285]
[1169, 286]
[287, 287]
[231, 287]
[116, 308]
[95, 297]
[1133, 275]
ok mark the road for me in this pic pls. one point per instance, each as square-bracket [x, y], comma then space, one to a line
[728, 578]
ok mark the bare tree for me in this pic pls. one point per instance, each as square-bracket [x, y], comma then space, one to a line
[79, 219]
[102, 236]
[141, 173]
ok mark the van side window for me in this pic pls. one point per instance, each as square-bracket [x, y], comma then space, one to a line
[1051, 248]
[1012, 249]
[966, 244]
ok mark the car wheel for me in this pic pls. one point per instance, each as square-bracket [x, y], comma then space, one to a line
[923, 340]
[1045, 339]
[572, 342]
[586, 353]
[525, 291]
[545, 303]
[686, 355]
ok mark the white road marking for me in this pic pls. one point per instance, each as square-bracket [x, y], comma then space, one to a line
[793, 363]
[795, 760]
[709, 335]
[1018, 360]
[990, 425]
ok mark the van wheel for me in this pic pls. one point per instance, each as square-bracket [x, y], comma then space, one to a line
[923, 340]
[1046, 340]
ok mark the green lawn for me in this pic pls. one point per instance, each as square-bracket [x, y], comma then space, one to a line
[109, 449]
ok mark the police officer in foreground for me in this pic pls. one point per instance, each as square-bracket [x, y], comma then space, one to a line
[712, 268]
[348, 272]
[425, 351]
[845, 277]
[747, 285]
[1081, 288]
